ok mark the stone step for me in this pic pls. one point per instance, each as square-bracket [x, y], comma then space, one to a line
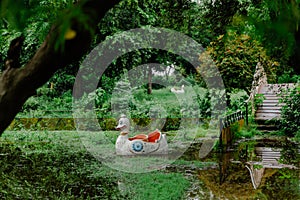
[273, 96]
[271, 101]
[260, 119]
[269, 108]
[268, 153]
[264, 127]
[267, 114]
[274, 104]
[275, 111]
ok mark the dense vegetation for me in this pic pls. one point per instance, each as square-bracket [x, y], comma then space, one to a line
[236, 35]
[290, 124]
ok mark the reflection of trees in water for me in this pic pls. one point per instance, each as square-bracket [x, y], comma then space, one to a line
[237, 184]
[273, 180]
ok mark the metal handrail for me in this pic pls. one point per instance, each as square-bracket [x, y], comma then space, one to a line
[231, 118]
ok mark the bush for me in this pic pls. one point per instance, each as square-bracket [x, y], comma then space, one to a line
[237, 99]
[204, 104]
[108, 124]
[171, 124]
[288, 76]
[290, 123]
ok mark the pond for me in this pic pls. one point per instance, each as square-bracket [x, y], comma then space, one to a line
[251, 169]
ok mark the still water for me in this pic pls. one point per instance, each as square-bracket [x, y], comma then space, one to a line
[253, 169]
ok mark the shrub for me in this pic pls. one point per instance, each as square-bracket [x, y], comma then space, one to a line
[31, 104]
[290, 123]
[288, 76]
[258, 100]
[108, 124]
[171, 124]
[204, 104]
[237, 99]
[173, 119]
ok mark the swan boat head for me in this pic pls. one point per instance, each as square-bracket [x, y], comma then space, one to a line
[123, 125]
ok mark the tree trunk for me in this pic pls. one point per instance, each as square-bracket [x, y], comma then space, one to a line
[18, 84]
[149, 90]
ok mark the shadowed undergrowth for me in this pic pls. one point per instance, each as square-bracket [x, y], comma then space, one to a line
[55, 165]
[39, 169]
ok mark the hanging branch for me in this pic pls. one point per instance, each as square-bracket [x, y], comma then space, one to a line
[17, 83]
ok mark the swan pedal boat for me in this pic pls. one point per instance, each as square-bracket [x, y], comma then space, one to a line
[154, 143]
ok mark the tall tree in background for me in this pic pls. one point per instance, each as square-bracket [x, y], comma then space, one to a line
[273, 24]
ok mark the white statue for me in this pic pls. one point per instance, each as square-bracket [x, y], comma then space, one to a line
[178, 91]
[155, 143]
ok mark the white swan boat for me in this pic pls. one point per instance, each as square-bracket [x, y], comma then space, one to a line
[154, 143]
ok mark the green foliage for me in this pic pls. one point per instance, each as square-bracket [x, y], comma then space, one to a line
[158, 186]
[63, 80]
[218, 15]
[139, 112]
[288, 76]
[32, 19]
[21, 13]
[44, 165]
[237, 100]
[236, 57]
[44, 104]
[204, 104]
[280, 31]
[290, 123]
[257, 166]
[173, 119]
[274, 24]
[246, 132]
[108, 124]
[182, 16]
[285, 180]
[66, 22]
[258, 100]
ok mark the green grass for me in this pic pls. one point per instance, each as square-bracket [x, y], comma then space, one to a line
[39, 165]
[194, 163]
[156, 185]
[56, 165]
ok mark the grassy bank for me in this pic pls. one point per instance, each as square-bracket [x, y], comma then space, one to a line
[55, 165]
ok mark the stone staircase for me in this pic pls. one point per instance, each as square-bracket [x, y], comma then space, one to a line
[270, 110]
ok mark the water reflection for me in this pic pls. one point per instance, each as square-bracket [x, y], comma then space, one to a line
[261, 169]
[269, 159]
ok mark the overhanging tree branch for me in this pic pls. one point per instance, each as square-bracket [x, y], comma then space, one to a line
[18, 84]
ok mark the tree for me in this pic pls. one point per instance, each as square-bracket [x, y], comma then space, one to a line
[281, 34]
[67, 41]
[218, 15]
[275, 24]
[236, 57]
[183, 16]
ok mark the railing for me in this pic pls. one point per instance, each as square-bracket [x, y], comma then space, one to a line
[259, 79]
[226, 127]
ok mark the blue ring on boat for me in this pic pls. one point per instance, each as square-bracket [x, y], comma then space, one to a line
[137, 146]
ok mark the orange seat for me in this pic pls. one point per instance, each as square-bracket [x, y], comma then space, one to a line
[139, 137]
[154, 136]
[151, 137]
